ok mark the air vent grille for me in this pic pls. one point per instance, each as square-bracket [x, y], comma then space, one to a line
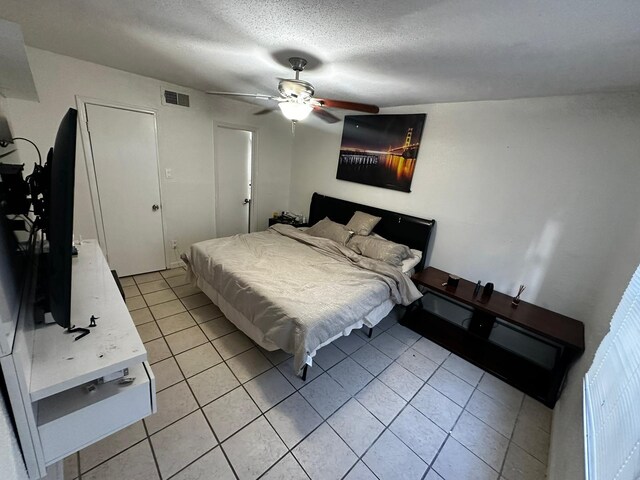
[175, 98]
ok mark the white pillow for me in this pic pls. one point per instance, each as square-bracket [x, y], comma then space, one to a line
[327, 228]
[410, 262]
[362, 223]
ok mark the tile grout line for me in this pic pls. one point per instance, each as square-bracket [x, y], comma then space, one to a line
[275, 365]
[241, 385]
[504, 460]
[153, 452]
[138, 442]
[185, 379]
[78, 465]
[200, 407]
[386, 427]
[449, 433]
[263, 414]
[148, 436]
[218, 444]
[500, 404]
[360, 458]
[441, 365]
[325, 420]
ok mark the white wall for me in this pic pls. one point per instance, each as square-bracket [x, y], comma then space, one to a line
[11, 463]
[536, 191]
[185, 142]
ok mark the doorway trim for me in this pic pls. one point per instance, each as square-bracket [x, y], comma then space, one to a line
[81, 103]
[253, 176]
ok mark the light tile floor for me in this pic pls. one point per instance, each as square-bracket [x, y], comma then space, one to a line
[391, 407]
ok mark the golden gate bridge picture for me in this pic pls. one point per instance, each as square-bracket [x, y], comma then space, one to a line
[380, 150]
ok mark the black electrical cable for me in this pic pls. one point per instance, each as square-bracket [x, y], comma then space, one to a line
[36, 147]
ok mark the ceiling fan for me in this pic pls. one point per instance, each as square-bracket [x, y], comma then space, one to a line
[296, 100]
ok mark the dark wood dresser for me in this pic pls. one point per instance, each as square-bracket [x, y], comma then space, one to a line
[529, 347]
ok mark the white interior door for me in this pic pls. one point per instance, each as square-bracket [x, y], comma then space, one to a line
[233, 150]
[125, 157]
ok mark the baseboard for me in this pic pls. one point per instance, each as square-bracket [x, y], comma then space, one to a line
[177, 264]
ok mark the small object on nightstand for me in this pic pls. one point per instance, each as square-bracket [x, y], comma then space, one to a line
[516, 300]
[452, 281]
[92, 321]
[487, 290]
[477, 289]
[289, 219]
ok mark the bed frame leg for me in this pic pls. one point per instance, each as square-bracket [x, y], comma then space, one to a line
[304, 373]
[370, 332]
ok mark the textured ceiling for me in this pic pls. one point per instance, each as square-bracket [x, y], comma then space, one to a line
[16, 80]
[385, 52]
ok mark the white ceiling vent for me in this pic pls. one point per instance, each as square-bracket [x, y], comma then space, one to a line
[170, 97]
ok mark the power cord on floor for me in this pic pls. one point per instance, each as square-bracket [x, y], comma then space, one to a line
[176, 252]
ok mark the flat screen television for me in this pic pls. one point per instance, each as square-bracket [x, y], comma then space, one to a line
[58, 223]
[15, 253]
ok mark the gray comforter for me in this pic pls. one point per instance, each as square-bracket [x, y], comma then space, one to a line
[297, 289]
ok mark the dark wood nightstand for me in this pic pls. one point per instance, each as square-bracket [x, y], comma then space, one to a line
[530, 347]
[273, 221]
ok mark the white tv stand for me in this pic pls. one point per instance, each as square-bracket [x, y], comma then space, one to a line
[53, 381]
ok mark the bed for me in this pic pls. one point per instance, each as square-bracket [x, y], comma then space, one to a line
[292, 291]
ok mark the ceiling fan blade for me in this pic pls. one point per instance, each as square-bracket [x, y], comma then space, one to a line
[251, 95]
[324, 115]
[265, 111]
[360, 107]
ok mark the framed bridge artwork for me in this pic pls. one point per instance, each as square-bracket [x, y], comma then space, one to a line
[380, 150]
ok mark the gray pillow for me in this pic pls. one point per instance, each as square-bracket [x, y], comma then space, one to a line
[379, 249]
[362, 223]
[328, 229]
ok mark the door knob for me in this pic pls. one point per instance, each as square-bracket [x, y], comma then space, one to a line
[155, 207]
[246, 200]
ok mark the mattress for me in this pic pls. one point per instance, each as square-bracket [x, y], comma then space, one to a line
[292, 291]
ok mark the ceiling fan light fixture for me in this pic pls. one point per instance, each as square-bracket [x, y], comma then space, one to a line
[295, 111]
[297, 101]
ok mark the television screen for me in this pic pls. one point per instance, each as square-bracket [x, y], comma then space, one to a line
[15, 252]
[60, 219]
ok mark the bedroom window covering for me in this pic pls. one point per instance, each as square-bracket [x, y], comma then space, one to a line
[612, 396]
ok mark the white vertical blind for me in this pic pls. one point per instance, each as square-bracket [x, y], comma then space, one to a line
[612, 396]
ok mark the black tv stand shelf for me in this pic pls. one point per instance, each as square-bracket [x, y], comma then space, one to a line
[529, 347]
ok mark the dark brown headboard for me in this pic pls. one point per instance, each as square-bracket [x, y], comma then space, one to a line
[412, 231]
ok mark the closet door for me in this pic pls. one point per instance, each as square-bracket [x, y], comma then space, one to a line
[233, 161]
[125, 157]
